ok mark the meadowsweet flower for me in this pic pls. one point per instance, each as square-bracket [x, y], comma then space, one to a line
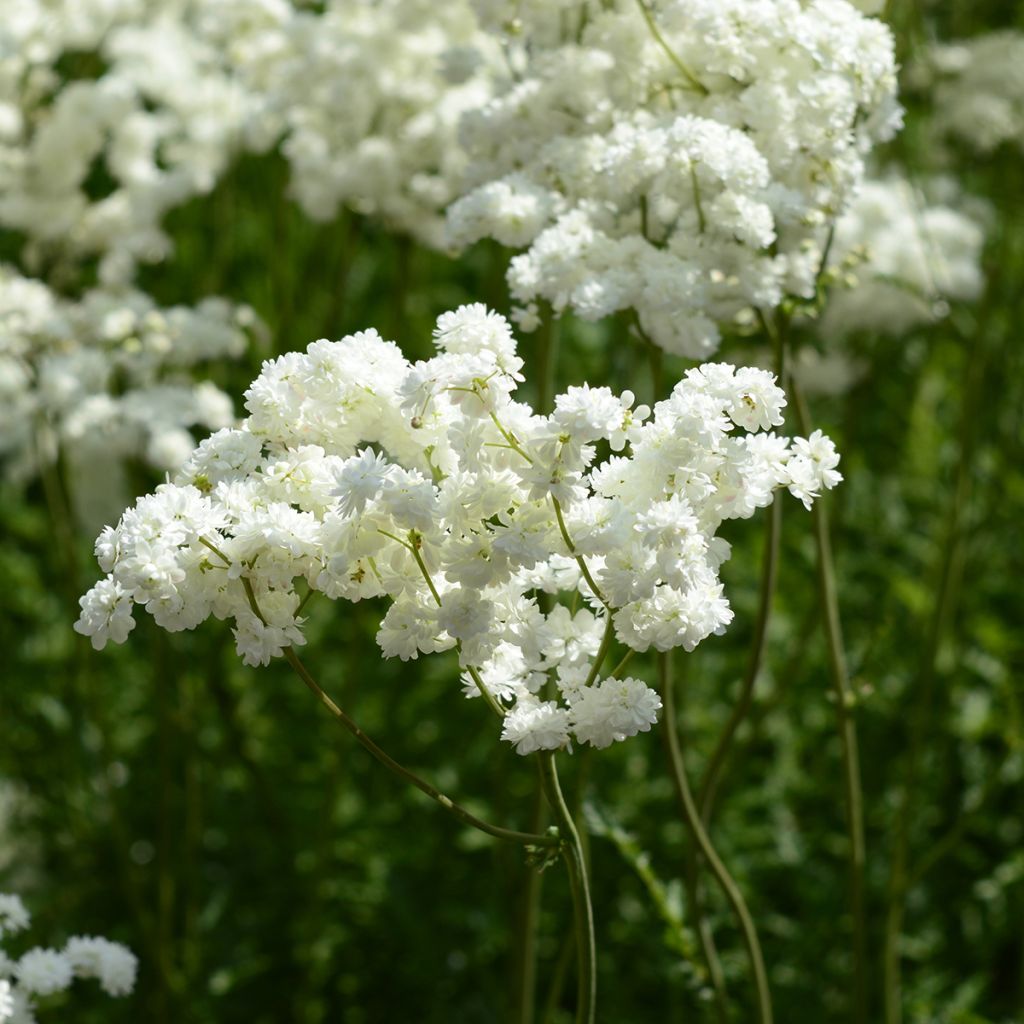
[903, 253]
[43, 972]
[682, 159]
[461, 520]
[109, 962]
[976, 89]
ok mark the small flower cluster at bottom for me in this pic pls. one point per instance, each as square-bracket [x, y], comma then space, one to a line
[43, 972]
[360, 475]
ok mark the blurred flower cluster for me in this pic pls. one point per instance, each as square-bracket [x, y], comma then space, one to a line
[41, 972]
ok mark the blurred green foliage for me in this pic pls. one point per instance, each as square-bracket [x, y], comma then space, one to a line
[266, 870]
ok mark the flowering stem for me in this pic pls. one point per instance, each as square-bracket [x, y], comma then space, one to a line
[769, 572]
[591, 582]
[622, 664]
[690, 77]
[845, 702]
[602, 651]
[696, 826]
[413, 546]
[510, 835]
[512, 442]
[583, 915]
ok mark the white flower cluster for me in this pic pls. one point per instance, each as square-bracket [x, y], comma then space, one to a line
[682, 159]
[92, 160]
[977, 89]
[361, 475]
[108, 377]
[369, 95]
[157, 98]
[42, 972]
[902, 256]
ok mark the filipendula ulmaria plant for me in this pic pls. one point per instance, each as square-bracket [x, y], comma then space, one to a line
[361, 475]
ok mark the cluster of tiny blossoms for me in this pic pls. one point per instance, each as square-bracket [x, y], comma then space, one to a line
[42, 972]
[361, 475]
[108, 377]
[163, 96]
[902, 255]
[683, 159]
[369, 95]
[976, 89]
[142, 96]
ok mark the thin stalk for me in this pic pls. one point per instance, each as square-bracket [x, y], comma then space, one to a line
[701, 924]
[580, 561]
[489, 697]
[510, 835]
[692, 80]
[769, 573]
[693, 820]
[525, 936]
[845, 702]
[576, 865]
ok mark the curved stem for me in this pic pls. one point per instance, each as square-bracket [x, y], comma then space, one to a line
[580, 561]
[769, 572]
[693, 82]
[696, 826]
[845, 702]
[387, 760]
[705, 936]
[392, 765]
[583, 916]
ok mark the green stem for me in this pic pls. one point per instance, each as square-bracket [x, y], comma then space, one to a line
[489, 697]
[583, 916]
[696, 826]
[510, 835]
[690, 77]
[705, 936]
[591, 582]
[845, 702]
[527, 838]
[524, 961]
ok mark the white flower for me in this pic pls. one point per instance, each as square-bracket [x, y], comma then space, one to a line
[13, 915]
[614, 710]
[534, 725]
[111, 963]
[43, 972]
[106, 614]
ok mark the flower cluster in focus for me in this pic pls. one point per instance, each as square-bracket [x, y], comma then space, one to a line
[360, 475]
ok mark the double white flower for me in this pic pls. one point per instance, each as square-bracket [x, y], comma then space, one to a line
[361, 475]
